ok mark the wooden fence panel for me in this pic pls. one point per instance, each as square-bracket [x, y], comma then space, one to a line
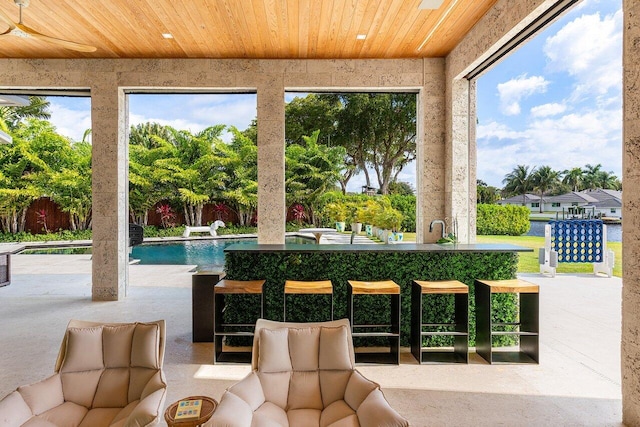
[55, 218]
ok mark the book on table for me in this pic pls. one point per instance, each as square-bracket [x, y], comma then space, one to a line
[188, 409]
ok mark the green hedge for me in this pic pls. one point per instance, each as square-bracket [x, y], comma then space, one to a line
[407, 205]
[401, 267]
[507, 220]
[24, 236]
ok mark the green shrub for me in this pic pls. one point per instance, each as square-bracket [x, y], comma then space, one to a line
[23, 236]
[507, 220]
[401, 267]
[407, 205]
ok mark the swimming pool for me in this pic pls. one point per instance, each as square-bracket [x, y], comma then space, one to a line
[206, 254]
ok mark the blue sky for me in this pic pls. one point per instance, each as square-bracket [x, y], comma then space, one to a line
[556, 101]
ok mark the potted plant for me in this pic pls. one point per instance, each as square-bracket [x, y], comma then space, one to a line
[395, 221]
[368, 215]
[355, 217]
[392, 223]
[385, 220]
[336, 212]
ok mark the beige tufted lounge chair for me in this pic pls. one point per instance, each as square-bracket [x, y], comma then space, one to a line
[303, 376]
[105, 375]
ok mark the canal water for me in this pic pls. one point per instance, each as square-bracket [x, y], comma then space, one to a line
[614, 231]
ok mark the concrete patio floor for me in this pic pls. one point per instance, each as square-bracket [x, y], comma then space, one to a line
[577, 382]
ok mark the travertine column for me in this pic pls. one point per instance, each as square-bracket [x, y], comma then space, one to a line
[458, 157]
[473, 164]
[271, 186]
[109, 186]
[430, 164]
[631, 214]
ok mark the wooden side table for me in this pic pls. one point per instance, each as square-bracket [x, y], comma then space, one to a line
[208, 408]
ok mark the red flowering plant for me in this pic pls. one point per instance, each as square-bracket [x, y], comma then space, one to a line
[167, 216]
[42, 219]
[220, 210]
[297, 211]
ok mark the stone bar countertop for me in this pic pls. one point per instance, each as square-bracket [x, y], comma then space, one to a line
[400, 247]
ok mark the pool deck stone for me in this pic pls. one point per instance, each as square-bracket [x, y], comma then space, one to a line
[577, 382]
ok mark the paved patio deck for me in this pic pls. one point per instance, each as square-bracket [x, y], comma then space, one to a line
[577, 382]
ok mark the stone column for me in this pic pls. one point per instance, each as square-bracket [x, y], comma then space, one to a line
[472, 203]
[271, 186]
[460, 156]
[430, 164]
[110, 266]
[631, 214]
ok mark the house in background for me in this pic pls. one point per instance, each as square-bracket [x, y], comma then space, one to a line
[590, 203]
[574, 203]
[608, 202]
[532, 201]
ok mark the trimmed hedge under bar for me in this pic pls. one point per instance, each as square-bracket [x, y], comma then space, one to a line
[401, 263]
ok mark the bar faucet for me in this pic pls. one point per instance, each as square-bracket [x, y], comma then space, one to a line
[441, 222]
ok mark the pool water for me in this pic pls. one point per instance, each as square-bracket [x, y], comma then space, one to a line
[207, 254]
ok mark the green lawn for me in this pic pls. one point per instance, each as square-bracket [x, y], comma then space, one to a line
[529, 260]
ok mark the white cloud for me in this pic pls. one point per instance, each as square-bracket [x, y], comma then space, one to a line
[238, 114]
[497, 131]
[69, 122]
[514, 90]
[551, 109]
[195, 112]
[571, 140]
[589, 49]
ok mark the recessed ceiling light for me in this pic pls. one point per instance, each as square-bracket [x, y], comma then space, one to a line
[361, 36]
[430, 4]
[167, 35]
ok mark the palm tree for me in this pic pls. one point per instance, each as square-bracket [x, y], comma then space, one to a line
[591, 176]
[545, 179]
[574, 178]
[606, 180]
[519, 181]
[37, 109]
[239, 163]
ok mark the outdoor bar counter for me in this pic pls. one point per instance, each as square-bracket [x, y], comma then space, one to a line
[402, 263]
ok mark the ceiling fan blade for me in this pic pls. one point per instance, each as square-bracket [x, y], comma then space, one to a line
[60, 42]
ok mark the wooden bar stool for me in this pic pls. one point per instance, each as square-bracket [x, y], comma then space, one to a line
[234, 287]
[526, 328]
[318, 287]
[390, 330]
[459, 329]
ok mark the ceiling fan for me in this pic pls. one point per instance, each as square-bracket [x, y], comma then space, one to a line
[20, 30]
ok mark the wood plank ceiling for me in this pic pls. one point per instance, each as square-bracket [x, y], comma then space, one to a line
[242, 28]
